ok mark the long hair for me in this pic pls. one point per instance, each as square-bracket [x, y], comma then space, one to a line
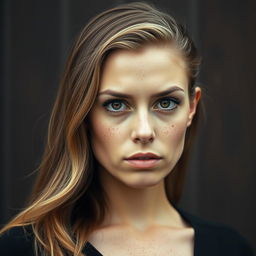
[68, 201]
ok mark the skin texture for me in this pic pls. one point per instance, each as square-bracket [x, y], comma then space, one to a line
[143, 121]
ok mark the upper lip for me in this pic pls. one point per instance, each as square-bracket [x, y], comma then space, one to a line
[143, 156]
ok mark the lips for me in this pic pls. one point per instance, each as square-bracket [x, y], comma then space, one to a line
[143, 156]
[143, 160]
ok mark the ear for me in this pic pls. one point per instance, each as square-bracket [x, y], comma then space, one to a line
[193, 105]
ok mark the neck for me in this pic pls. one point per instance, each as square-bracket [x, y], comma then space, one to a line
[139, 208]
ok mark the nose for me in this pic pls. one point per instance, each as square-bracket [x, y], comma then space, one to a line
[143, 131]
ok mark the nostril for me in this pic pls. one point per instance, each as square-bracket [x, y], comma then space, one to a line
[143, 140]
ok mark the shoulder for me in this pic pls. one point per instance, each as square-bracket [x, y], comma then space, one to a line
[217, 239]
[17, 241]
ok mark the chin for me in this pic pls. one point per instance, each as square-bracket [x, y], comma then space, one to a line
[143, 182]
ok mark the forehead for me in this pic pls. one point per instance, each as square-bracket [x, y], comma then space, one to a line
[151, 65]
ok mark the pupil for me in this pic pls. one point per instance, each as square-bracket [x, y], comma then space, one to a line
[116, 105]
[165, 103]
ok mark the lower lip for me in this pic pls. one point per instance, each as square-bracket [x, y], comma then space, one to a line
[150, 163]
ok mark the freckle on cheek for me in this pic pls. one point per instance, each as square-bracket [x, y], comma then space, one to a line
[112, 131]
[167, 130]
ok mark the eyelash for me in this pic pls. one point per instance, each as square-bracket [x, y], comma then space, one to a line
[171, 100]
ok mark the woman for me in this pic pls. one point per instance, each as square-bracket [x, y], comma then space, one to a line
[118, 143]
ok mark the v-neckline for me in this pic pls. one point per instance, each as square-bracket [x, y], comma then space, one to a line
[92, 251]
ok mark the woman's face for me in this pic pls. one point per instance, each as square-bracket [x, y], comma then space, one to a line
[139, 120]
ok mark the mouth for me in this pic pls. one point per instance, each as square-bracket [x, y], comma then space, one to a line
[143, 156]
[143, 160]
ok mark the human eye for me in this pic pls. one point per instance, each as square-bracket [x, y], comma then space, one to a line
[167, 104]
[115, 105]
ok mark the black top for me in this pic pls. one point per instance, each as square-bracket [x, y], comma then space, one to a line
[211, 239]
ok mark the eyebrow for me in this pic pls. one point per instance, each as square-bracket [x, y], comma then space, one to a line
[124, 95]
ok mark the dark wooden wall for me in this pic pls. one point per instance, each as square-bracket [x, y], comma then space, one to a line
[221, 182]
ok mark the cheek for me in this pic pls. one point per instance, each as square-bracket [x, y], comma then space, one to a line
[105, 137]
[172, 137]
[173, 131]
[167, 130]
[108, 132]
[104, 133]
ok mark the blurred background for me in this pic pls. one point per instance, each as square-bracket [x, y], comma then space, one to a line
[35, 39]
